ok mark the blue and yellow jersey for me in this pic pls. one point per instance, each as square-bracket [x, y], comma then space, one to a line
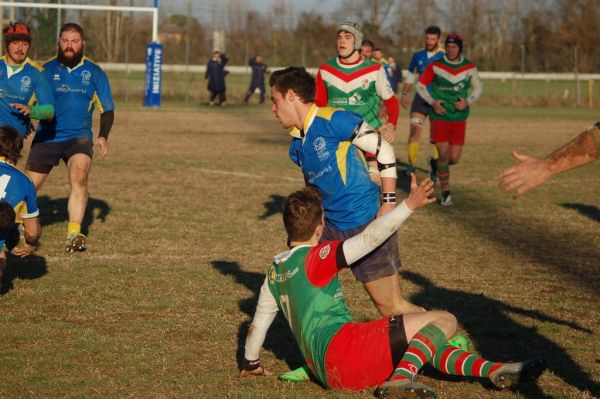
[27, 85]
[77, 92]
[17, 190]
[422, 58]
[335, 166]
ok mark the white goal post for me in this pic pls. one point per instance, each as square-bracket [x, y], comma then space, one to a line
[154, 50]
[83, 7]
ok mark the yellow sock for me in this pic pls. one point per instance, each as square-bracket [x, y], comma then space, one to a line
[436, 154]
[73, 228]
[413, 151]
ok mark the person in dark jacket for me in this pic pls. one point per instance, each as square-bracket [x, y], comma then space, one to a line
[258, 78]
[215, 73]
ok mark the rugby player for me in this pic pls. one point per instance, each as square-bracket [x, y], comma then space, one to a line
[18, 200]
[450, 85]
[354, 82]
[386, 353]
[26, 93]
[419, 107]
[79, 87]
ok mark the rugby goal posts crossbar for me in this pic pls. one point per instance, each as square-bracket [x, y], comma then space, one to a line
[89, 7]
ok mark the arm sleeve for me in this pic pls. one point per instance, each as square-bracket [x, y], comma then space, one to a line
[382, 85]
[324, 261]
[476, 87]
[425, 80]
[30, 210]
[411, 75]
[393, 109]
[320, 91]
[266, 310]
[295, 149]
[106, 122]
[103, 96]
[375, 234]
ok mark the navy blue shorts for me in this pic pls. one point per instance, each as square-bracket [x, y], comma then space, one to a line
[384, 261]
[44, 155]
[419, 105]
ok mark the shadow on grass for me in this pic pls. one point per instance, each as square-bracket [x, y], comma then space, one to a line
[498, 337]
[589, 211]
[29, 268]
[273, 207]
[55, 211]
[280, 340]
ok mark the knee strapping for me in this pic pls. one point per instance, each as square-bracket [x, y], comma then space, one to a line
[416, 122]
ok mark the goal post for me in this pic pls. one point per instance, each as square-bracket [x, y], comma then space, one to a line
[153, 50]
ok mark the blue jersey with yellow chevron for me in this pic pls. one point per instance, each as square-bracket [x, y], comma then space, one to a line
[336, 167]
[27, 85]
[17, 190]
[77, 92]
[422, 58]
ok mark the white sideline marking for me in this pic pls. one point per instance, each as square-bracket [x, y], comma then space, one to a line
[250, 175]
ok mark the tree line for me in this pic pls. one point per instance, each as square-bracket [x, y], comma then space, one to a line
[512, 35]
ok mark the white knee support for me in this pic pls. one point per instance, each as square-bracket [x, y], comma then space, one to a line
[416, 122]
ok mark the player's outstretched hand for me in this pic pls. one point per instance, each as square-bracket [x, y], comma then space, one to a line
[529, 173]
[420, 194]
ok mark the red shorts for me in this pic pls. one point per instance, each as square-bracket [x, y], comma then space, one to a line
[360, 355]
[448, 131]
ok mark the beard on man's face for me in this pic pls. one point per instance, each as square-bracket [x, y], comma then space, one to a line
[69, 57]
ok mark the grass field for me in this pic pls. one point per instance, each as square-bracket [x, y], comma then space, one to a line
[184, 218]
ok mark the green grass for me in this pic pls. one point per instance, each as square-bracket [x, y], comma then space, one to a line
[184, 220]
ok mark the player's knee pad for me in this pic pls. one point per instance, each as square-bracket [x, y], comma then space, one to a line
[416, 122]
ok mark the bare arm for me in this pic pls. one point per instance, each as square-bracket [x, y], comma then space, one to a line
[33, 232]
[531, 172]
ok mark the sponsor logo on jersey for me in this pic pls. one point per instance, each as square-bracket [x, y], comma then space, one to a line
[324, 251]
[25, 83]
[85, 77]
[320, 147]
[365, 84]
[5, 94]
[312, 176]
[67, 89]
[281, 277]
[355, 99]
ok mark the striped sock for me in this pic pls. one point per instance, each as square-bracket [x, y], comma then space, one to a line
[413, 151]
[452, 360]
[421, 348]
[443, 173]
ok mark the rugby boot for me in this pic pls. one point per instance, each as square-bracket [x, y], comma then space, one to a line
[510, 374]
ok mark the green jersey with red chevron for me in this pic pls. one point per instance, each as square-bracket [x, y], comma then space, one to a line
[449, 82]
[357, 87]
[305, 285]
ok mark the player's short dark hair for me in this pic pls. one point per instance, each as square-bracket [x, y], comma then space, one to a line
[7, 216]
[296, 79]
[302, 213]
[11, 144]
[367, 42]
[72, 27]
[433, 30]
